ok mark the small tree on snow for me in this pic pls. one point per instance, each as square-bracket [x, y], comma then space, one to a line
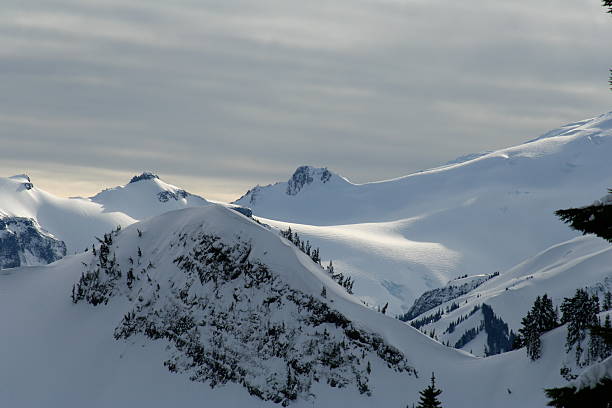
[429, 396]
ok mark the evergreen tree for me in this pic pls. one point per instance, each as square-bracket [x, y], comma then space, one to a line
[384, 309]
[580, 314]
[330, 268]
[598, 396]
[594, 219]
[429, 396]
[530, 336]
[541, 318]
[545, 314]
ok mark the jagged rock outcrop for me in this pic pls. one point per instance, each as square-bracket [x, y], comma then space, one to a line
[144, 176]
[305, 175]
[24, 242]
[165, 196]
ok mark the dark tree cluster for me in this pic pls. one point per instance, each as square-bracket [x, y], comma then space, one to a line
[499, 339]
[468, 336]
[580, 314]
[96, 283]
[460, 319]
[425, 320]
[593, 219]
[599, 396]
[541, 318]
[314, 253]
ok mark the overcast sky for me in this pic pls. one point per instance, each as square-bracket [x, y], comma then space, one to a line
[217, 96]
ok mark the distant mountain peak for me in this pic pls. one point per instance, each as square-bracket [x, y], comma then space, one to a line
[305, 175]
[21, 177]
[144, 176]
[302, 176]
[24, 179]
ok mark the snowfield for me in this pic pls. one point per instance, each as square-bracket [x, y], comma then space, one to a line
[182, 301]
[399, 238]
[57, 353]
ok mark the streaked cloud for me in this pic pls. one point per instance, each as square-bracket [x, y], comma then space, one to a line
[220, 95]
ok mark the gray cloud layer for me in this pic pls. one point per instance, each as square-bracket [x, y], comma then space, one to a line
[220, 95]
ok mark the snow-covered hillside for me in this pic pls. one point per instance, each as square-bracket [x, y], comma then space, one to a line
[558, 272]
[208, 287]
[399, 238]
[77, 221]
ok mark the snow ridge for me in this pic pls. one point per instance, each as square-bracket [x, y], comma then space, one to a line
[230, 318]
[453, 290]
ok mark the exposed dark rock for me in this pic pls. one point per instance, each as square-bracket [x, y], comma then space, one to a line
[23, 242]
[144, 176]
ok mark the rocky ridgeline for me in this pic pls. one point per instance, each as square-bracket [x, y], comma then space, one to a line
[24, 242]
[305, 175]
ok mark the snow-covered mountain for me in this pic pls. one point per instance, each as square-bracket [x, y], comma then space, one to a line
[77, 221]
[24, 242]
[558, 272]
[146, 195]
[206, 296]
[73, 220]
[480, 214]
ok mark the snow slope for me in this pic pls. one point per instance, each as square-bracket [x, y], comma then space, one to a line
[401, 237]
[558, 271]
[57, 353]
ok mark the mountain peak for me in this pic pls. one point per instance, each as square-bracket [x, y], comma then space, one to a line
[305, 175]
[21, 177]
[144, 176]
[24, 179]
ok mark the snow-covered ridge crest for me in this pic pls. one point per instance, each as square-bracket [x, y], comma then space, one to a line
[146, 195]
[211, 286]
[436, 297]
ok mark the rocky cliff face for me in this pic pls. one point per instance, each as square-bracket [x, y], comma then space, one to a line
[306, 175]
[24, 242]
